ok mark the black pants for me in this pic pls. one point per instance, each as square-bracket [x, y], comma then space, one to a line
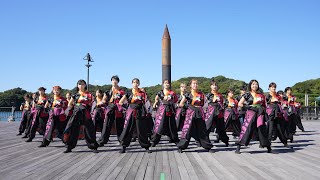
[24, 121]
[53, 124]
[220, 130]
[276, 128]
[236, 126]
[249, 128]
[107, 126]
[40, 122]
[287, 132]
[293, 123]
[142, 132]
[98, 122]
[198, 132]
[167, 127]
[299, 123]
[72, 130]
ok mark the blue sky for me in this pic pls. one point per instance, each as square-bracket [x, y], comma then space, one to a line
[42, 43]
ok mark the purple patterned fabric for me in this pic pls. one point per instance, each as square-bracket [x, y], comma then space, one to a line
[94, 114]
[178, 111]
[210, 116]
[22, 115]
[210, 110]
[202, 113]
[284, 113]
[159, 117]
[120, 108]
[269, 109]
[128, 115]
[260, 120]
[106, 112]
[49, 123]
[226, 115]
[250, 115]
[58, 111]
[295, 110]
[285, 116]
[33, 110]
[279, 112]
[187, 123]
[35, 113]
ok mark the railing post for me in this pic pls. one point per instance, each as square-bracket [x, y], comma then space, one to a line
[12, 117]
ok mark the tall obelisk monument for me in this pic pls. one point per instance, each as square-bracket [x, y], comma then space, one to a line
[166, 55]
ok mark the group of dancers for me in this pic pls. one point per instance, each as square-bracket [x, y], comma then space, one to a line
[251, 115]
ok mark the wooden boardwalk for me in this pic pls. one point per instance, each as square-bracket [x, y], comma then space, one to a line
[21, 160]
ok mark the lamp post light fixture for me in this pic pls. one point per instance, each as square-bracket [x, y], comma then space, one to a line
[89, 59]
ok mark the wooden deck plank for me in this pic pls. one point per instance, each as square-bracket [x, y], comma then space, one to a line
[189, 167]
[142, 167]
[21, 160]
[182, 169]
[166, 170]
[127, 166]
[135, 166]
[106, 172]
[149, 173]
[204, 167]
[110, 156]
[159, 161]
[28, 161]
[174, 171]
[58, 167]
[69, 172]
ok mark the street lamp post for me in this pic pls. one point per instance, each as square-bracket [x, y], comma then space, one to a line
[89, 59]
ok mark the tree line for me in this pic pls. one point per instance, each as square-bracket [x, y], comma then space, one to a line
[14, 97]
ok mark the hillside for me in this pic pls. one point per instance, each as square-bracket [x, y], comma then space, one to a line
[312, 87]
[204, 85]
[12, 97]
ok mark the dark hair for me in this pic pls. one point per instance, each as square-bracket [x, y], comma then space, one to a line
[82, 81]
[287, 88]
[192, 81]
[68, 93]
[250, 83]
[56, 87]
[42, 89]
[115, 77]
[135, 79]
[99, 91]
[272, 84]
[230, 90]
[27, 96]
[165, 81]
[243, 88]
[280, 92]
[212, 82]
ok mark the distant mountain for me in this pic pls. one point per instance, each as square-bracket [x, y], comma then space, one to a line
[12, 97]
[312, 87]
[203, 85]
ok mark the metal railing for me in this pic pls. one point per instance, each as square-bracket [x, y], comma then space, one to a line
[310, 113]
[10, 114]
